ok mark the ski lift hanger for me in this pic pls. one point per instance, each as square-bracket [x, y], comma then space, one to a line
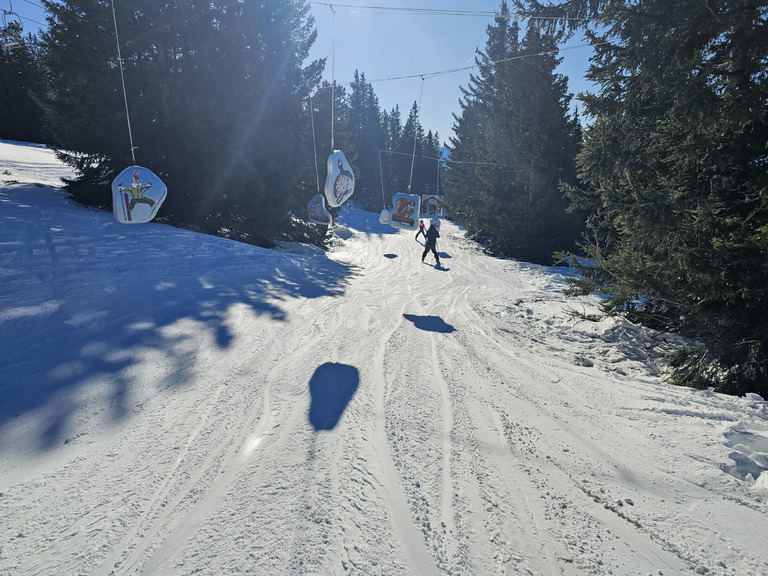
[12, 28]
[137, 192]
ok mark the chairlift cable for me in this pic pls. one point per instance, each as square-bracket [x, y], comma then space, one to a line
[122, 79]
[415, 127]
[18, 16]
[333, 70]
[41, 24]
[430, 75]
[393, 10]
[449, 161]
[314, 141]
[381, 174]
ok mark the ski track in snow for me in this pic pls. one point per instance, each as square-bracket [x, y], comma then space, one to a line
[176, 404]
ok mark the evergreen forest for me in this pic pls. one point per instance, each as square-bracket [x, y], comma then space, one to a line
[656, 191]
[673, 176]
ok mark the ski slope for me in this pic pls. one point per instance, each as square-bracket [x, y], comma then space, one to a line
[174, 403]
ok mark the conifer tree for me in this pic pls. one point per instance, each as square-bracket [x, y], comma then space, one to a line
[366, 132]
[393, 134]
[675, 180]
[216, 94]
[431, 166]
[325, 133]
[514, 144]
[411, 147]
[21, 76]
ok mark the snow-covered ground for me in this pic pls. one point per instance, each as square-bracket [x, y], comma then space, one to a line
[173, 403]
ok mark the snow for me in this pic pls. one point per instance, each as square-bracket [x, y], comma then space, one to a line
[174, 403]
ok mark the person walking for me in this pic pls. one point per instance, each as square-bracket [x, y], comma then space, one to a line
[421, 230]
[432, 235]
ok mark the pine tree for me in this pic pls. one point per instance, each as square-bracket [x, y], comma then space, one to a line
[676, 186]
[397, 155]
[411, 146]
[81, 100]
[431, 167]
[216, 94]
[366, 132]
[513, 147]
[393, 134]
[21, 76]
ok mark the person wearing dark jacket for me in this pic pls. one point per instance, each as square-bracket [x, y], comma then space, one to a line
[432, 236]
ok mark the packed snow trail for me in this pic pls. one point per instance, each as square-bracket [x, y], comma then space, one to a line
[175, 403]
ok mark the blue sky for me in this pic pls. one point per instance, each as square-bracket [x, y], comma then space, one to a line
[385, 45]
[30, 11]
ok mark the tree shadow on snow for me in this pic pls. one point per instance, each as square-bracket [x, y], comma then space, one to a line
[331, 388]
[430, 323]
[100, 298]
[366, 222]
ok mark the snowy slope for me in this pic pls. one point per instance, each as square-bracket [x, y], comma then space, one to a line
[174, 403]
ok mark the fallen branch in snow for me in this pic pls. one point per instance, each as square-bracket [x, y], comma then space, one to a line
[573, 313]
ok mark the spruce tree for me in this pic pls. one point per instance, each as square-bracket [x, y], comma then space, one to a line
[216, 94]
[514, 145]
[337, 135]
[411, 146]
[430, 167]
[21, 76]
[397, 155]
[393, 134]
[675, 180]
[367, 134]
